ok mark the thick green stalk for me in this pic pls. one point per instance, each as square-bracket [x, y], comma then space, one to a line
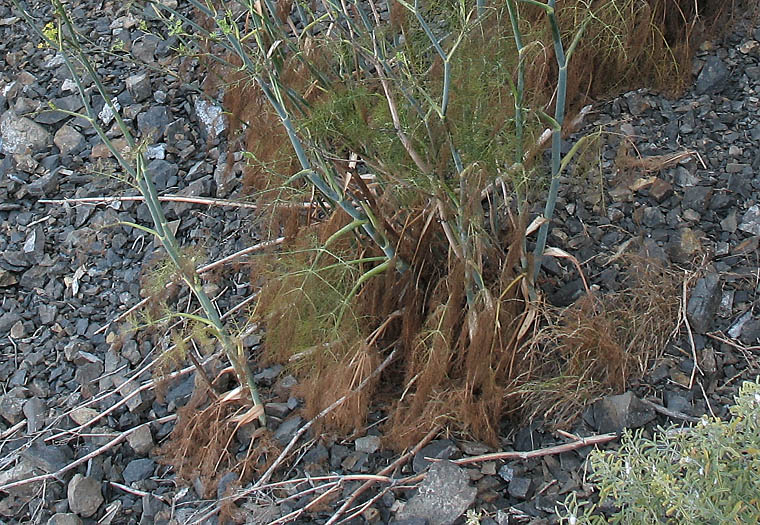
[559, 116]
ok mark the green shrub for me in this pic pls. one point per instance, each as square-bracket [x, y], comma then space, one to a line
[709, 473]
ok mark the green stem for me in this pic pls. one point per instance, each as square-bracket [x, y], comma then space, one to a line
[162, 231]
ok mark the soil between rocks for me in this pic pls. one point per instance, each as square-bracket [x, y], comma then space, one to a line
[67, 272]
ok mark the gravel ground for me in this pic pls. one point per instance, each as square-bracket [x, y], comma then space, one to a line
[78, 405]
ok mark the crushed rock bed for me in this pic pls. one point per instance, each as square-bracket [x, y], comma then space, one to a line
[66, 274]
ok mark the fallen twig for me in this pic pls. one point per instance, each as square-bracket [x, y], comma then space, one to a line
[685, 319]
[548, 451]
[367, 484]
[84, 459]
[301, 431]
[675, 414]
[208, 201]
[145, 386]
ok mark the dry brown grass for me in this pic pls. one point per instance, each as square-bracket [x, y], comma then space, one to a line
[203, 443]
[599, 344]
[461, 365]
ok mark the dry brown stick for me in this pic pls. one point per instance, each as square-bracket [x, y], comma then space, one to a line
[10, 431]
[685, 319]
[548, 451]
[201, 270]
[301, 431]
[293, 515]
[670, 413]
[244, 251]
[387, 470]
[122, 316]
[329, 477]
[208, 201]
[145, 386]
[84, 459]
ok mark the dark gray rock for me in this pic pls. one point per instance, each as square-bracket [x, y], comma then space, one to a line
[12, 407]
[49, 458]
[287, 429]
[69, 103]
[144, 48]
[438, 449]
[138, 470]
[84, 495]
[35, 277]
[443, 495]
[141, 440]
[652, 217]
[316, 455]
[520, 488]
[277, 409]
[614, 413]
[697, 197]
[7, 320]
[703, 303]
[506, 473]
[68, 140]
[713, 76]
[163, 173]
[153, 122]
[34, 411]
[139, 87]
[750, 333]
[61, 518]
[45, 185]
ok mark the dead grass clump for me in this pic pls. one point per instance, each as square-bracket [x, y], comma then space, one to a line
[204, 443]
[462, 361]
[599, 344]
[627, 44]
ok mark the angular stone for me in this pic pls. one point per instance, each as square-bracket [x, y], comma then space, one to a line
[49, 458]
[21, 470]
[703, 303]
[287, 428]
[211, 117]
[438, 449]
[7, 278]
[713, 76]
[277, 409]
[22, 135]
[68, 103]
[68, 140]
[368, 444]
[84, 495]
[153, 122]
[614, 413]
[139, 87]
[751, 220]
[138, 470]
[660, 190]
[34, 411]
[11, 408]
[141, 440]
[163, 173]
[519, 488]
[7, 320]
[443, 495]
[64, 519]
[46, 185]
